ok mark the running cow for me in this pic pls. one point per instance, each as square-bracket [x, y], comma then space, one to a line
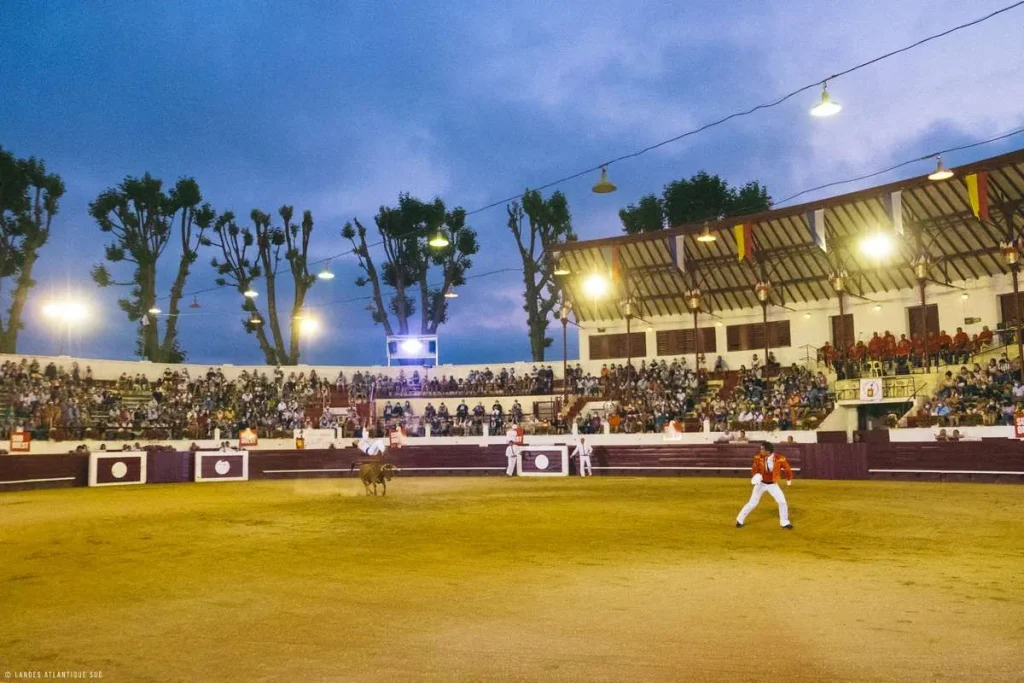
[375, 472]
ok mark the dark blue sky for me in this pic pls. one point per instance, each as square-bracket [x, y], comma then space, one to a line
[338, 107]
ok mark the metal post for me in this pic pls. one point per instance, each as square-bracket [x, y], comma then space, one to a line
[841, 342]
[1016, 315]
[629, 358]
[696, 343]
[924, 324]
[565, 363]
[764, 313]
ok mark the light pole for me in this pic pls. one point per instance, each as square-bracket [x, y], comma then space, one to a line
[563, 315]
[693, 300]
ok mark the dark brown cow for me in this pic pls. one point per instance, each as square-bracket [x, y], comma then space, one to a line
[373, 472]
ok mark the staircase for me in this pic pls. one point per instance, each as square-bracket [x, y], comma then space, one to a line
[574, 408]
[729, 383]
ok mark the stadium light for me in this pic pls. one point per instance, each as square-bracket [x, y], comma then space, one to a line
[439, 240]
[154, 311]
[325, 274]
[250, 293]
[826, 107]
[561, 268]
[595, 285]
[604, 186]
[412, 346]
[941, 172]
[308, 325]
[878, 245]
[451, 294]
[66, 311]
[706, 237]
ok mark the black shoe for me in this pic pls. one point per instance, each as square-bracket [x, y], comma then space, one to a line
[788, 526]
[739, 525]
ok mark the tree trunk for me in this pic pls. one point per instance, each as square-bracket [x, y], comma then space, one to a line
[9, 340]
[293, 349]
[275, 323]
[149, 333]
[167, 348]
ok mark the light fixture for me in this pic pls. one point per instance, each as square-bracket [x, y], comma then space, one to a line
[195, 303]
[878, 307]
[412, 346]
[561, 268]
[250, 293]
[826, 107]
[451, 294]
[308, 325]
[941, 172]
[325, 274]
[965, 296]
[255, 319]
[604, 186]
[877, 245]
[65, 311]
[595, 285]
[439, 240]
[154, 311]
[706, 236]
[807, 316]
[650, 329]
[718, 324]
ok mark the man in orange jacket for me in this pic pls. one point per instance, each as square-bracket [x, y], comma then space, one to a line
[768, 469]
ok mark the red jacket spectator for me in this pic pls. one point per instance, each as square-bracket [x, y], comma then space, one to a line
[961, 340]
[903, 347]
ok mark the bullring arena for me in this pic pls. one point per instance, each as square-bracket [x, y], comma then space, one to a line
[195, 523]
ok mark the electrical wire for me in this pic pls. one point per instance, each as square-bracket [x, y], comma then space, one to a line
[712, 124]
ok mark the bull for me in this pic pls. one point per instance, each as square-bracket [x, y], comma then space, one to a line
[375, 472]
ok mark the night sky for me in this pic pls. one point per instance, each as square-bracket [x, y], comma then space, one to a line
[338, 107]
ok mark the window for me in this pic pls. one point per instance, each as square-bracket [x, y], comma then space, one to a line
[843, 339]
[750, 337]
[679, 342]
[1008, 308]
[604, 346]
[932, 320]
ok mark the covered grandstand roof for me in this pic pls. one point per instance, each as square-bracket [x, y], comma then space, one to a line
[937, 219]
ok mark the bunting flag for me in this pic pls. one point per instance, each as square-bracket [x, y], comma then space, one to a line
[744, 241]
[894, 210]
[816, 226]
[977, 194]
[678, 252]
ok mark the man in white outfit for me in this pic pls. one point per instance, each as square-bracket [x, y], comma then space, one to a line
[584, 451]
[372, 448]
[768, 469]
[511, 436]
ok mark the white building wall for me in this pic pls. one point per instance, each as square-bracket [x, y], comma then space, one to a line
[982, 302]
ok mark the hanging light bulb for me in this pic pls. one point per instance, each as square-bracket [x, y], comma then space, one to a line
[826, 107]
[941, 172]
[706, 237]
[255, 319]
[451, 294]
[195, 303]
[561, 268]
[439, 240]
[604, 186]
[325, 274]
[154, 311]
[250, 293]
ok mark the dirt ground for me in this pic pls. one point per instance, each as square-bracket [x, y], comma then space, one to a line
[607, 579]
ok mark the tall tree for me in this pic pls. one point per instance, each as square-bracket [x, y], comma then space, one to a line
[410, 265]
[537, 224]
[701, 197]
[141, 218]
[29, 199]
[251, 255]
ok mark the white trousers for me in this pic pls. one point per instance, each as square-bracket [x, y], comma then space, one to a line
[585, 466]
[511, 455]
[759, 490]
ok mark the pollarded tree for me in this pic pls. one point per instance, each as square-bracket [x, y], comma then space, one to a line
[538, 224]
[411, 266]
[29, 199]
[141, 218]
[253, 255]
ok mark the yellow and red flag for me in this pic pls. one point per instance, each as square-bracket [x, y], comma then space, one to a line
[744, 241]
[977, 194]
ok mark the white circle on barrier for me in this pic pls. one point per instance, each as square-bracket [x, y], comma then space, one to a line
[222, 467]
[118, 470]
[542, 462]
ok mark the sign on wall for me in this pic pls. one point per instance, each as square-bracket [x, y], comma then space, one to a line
[1018, 425]
[543, 461]
[117, 468]
[247, 438]
[871, 389]
[222, 466]
[21, 441]
[314, 438]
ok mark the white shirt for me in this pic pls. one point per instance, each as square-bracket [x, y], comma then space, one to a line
[769, 463]
[372, 447]
[584, 449]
